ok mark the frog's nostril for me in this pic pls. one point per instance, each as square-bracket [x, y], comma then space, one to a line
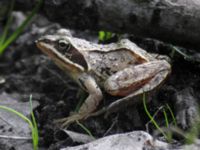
[43, 40]
[39, 40]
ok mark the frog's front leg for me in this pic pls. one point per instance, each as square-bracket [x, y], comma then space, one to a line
[90, 104]
[137, 79]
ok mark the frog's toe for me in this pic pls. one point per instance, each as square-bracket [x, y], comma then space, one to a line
[64, 122]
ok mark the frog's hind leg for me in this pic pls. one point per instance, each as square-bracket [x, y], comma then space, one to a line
[135, 80]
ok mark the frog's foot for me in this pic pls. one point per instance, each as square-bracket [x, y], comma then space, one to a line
[65, 122]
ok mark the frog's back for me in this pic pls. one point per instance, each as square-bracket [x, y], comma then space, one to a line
[104, 60]
[103, 64]
[86, 46]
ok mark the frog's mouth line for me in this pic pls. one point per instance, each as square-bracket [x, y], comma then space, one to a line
[58, 58]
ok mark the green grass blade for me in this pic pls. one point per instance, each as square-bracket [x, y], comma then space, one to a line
[20, 28]
[84, 128]
[151, 118]
[169, 134]
[35, 135]
[172, 114]
[33, 126]
[166, 118]
[18, 114]
[108, 35]
[8, 23]
[104, 35]
[101, 35]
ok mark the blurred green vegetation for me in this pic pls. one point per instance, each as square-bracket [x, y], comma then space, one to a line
[5, 38]
[104, 35]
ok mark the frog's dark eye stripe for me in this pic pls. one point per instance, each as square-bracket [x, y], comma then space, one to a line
[47, 41]
[63, 45]
[81, 82]
[44, 40]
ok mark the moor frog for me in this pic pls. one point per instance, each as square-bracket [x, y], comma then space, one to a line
[120, 69]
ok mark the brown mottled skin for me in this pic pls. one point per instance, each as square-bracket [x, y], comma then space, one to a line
[121, 69]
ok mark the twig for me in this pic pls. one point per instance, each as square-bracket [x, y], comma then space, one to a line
[15, 137]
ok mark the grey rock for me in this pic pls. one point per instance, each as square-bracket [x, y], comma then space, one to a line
[187, 108]
[137, 140]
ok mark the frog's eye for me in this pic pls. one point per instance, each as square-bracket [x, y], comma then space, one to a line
[63, 45]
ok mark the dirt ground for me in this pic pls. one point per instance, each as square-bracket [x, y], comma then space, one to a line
[27, 70]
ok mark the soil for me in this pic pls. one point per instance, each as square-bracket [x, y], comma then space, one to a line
[27, 71]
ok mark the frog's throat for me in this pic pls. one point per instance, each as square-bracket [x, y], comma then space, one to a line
[59, 59]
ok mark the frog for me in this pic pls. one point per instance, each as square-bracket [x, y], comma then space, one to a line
[120, 69]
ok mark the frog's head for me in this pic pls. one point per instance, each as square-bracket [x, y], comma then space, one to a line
[62, 50]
